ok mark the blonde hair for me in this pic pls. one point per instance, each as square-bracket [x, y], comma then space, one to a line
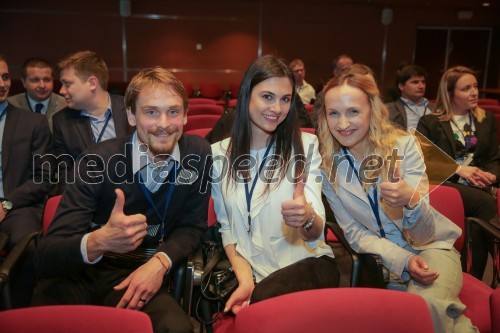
[446, 92]
[87, 64]
[382, 135]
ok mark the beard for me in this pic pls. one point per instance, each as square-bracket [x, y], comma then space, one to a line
[163, 147]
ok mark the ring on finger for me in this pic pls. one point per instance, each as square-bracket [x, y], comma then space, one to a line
[143, 300]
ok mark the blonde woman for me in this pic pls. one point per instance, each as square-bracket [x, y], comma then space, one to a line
[375, 182]
[468, 134]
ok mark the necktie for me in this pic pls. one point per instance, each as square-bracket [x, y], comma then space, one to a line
[38, 108]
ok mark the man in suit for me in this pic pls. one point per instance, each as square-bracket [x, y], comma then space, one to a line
[116, 252]
[92, 115]
[38, 80]
[304, 90]
[406, 111]
[23, 182]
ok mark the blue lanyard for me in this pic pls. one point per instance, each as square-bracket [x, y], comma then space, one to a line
[147, 194]
[373, 201]
[4, 112]
[103, 128]
[248, 193]
[416, 106]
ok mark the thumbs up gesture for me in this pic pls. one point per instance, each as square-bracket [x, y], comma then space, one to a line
[297, 211]
[396, 192]
[121, 234]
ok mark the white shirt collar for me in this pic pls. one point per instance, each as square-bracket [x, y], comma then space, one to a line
[140, 159]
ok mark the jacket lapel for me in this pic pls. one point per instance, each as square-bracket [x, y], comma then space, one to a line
[11, 121]
[119, 117]
[446, 126]
[83, 128]
[402, 112]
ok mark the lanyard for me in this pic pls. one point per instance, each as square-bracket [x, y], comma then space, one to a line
[373, 201]
[470, 140]
[147, 194]
[103, 128]
[416, 107]
[248, 193]
[4, 112]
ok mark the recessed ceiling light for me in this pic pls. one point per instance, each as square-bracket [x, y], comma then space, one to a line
[486, 4]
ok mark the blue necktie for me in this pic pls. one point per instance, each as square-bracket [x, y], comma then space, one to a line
[38, 108]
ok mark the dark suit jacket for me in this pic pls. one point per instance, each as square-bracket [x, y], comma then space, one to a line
[89, 202]
[73, 134]
[397, 113]
[26, 134]
[486, 154]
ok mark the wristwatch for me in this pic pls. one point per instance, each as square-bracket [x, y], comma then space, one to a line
[7, 205]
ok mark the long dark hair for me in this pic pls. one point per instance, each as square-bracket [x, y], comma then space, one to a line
[287, 136]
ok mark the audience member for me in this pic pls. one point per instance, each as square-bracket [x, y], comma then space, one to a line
[340, 63]
[23, 182]
[468, 134]
[392, 94]
[304, 90]
[224, 125]
[272, 251]
[407, 110]
[92, 115]
[385, 210]
[117, 252]
[38, 80]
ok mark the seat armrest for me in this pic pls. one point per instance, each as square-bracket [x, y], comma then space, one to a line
[4, 238]
[494, 232]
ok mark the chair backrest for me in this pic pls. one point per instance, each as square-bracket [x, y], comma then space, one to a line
[232, 102]
[200, 109]
[212, 218]
[75, 319]
[211, 90]
[308, 130]
[487, 101]
[49, 212]
[348, 310]
[204, 101]
[448, 202]
[495, 310]
[201, 121]
[493, 108]
[199, 131]
[309, 108]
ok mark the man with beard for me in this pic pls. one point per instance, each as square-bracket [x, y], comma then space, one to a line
[138, 210]
[92, 115]
[38, 80]
[407, 110]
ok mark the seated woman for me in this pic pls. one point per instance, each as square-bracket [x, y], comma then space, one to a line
[266, 193]
[468, 134]
[375, 182]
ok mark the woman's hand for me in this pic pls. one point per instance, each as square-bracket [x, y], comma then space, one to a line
[240, 298]
[398, 193]
[476, 176]
[420, 272]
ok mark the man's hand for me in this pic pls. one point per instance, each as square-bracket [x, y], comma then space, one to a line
[476, 176]
[142, 284]
[121, 234]
[420, 272]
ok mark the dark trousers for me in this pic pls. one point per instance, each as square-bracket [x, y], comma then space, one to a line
[306, 274]
[95, 286]
[18, 223]
[480, 204]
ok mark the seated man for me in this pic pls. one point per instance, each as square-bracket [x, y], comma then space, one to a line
[38, 80]
[92, 114]
[305, 90]
[407, 110]
[138, 208]
[23, 182]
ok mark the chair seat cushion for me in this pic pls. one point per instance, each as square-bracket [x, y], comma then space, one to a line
[475, 295]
